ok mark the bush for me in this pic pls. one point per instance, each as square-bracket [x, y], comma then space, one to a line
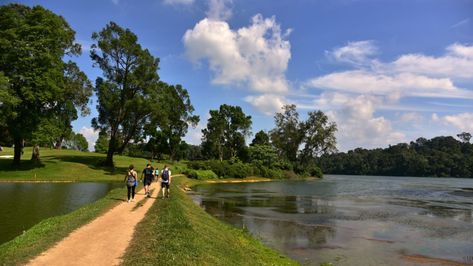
[201, 174]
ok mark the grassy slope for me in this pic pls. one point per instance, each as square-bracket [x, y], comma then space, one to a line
[46, 233]
[177, 232]
[67, 165]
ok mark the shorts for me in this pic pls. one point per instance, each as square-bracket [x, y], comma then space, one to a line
[147, 181]
[165, 185]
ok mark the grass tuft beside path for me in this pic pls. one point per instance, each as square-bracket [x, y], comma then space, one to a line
[177, 232]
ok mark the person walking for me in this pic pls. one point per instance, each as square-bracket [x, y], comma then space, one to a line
[148, 174]
[130, 180]
[165, 181]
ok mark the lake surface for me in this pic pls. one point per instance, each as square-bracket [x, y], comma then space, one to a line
[23, 205]
[353, 220]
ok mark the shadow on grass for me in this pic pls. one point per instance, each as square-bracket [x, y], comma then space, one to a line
[7, 165]
[93, 162]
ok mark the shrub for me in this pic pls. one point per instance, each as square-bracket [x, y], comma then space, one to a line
[201, 174]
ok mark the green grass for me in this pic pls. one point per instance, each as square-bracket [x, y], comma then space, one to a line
[69, 165]
[178, 232]
[174, 232]
[48, 232]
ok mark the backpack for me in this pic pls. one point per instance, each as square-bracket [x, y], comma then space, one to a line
[165, 176]
[130, 179]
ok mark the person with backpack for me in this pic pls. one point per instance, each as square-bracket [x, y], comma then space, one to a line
[165, 181]
[148, 174]
[130, 181]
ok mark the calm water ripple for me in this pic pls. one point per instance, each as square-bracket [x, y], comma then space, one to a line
[353, 220]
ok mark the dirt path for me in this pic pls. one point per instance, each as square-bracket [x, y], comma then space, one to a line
[104, 240]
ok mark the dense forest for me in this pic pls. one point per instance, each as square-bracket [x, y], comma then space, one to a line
[437, 157]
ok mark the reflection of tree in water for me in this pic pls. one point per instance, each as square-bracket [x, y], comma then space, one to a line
[274, 218]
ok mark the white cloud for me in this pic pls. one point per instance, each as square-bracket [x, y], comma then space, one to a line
[267, 104]
[194, 135]
[411, 117]
[410, 75]
[461, 50]
[462, 121]
[219, 10]
[394, 86]
[354, 52]
[178, 2]
[90, 135]
[255, 56]
[457, 63]
[358, 126]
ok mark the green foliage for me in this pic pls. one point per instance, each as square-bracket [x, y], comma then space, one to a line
[175, 110]
[261, 138]
[288, 133]
[317, 135]
[264, 155]
[102, 142]
[79, 142]
[201, 174]
[440, 156]
[177, 232]
[224, 136]
[129, 91]
[33, 43]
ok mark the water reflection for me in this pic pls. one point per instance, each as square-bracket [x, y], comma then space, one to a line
[23, 205]
[342, 219]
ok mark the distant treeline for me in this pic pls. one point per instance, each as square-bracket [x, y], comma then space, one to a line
[437, 157]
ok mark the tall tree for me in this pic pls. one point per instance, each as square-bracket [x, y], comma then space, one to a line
[261, 138]
[175, 117]
[33, 43]
[288, 133]
[226, 131]
[319, 136]
[128, 92]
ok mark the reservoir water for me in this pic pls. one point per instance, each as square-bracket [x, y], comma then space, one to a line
[23, 205]
[353, 220]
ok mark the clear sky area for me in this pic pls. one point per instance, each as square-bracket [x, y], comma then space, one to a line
[386, 71]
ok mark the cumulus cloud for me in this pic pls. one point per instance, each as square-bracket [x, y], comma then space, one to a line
[219, 10]
[178, 2]
[358, 126]
[462, 121]
[255, 56]
[354, 52]
[267, 104]
[90, 135]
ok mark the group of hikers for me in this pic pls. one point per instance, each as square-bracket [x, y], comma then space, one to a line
[148, 175]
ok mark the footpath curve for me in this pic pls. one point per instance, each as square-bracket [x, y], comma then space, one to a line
[104, 240]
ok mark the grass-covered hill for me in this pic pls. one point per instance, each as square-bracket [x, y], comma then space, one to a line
[67, 165]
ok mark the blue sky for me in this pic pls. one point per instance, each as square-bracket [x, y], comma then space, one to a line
[385, 71]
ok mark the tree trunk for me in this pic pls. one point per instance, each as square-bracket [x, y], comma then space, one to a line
[59, 143]
[110, 152]
[17, 151]
[35, 155]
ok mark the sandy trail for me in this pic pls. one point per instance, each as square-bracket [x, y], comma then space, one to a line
[104, 240]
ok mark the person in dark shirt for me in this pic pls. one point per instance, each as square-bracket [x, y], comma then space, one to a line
[148, 176]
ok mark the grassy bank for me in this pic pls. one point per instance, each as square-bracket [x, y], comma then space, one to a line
[48, 232]
[66, 165]
[178, 232]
